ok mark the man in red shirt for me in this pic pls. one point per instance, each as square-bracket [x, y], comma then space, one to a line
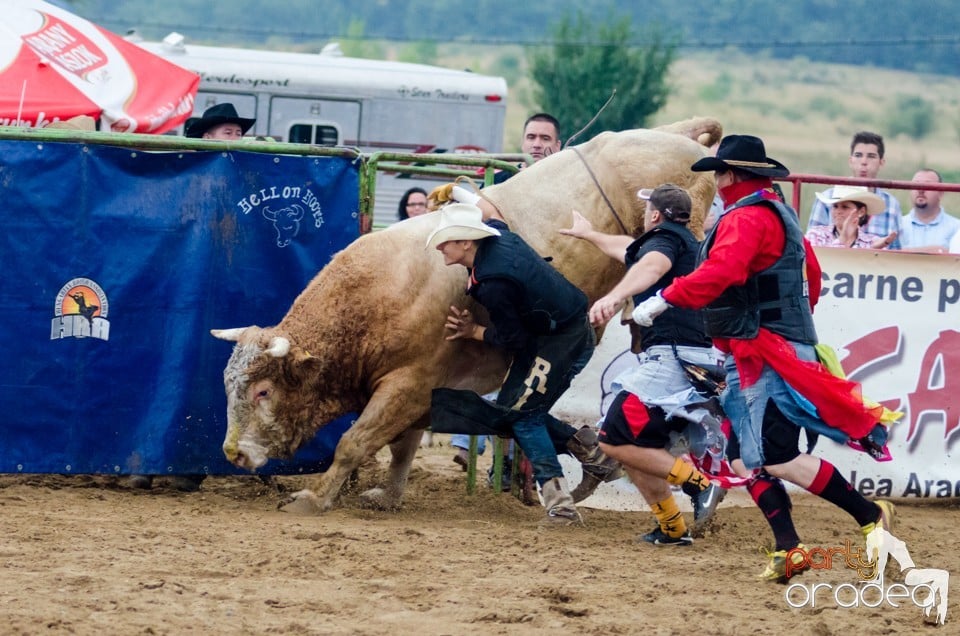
[756, 282]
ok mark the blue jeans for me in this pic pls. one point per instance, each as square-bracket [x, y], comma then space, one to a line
[746, 407]
[463, 441]
[532, 436]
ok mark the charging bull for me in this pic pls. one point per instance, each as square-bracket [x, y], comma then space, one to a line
[367, 334]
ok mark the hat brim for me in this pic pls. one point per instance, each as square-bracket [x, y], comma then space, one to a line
[875, 204]
[459, 233]
[202, 125]
[710, 164]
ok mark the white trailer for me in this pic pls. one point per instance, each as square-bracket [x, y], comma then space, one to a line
[331, 100]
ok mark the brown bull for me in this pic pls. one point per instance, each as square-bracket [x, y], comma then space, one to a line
[367, 334]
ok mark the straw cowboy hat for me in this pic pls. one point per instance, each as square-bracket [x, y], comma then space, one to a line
[858, 194]
[216, 115]
[80, 122]
[743, 152]
[460, 222]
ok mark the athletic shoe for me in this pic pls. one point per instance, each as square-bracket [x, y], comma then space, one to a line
[660, 538]
[885, 521]
[776, 570]
[705, 504]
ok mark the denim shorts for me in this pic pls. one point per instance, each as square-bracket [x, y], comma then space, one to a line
[659, 380]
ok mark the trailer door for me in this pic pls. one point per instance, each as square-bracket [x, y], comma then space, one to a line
[323, 122]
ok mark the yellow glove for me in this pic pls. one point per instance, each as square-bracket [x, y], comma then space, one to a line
[440, 195]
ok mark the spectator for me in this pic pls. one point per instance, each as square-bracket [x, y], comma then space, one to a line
[866, 159]
[541, 138]
[850, 209]
[637, 428]
[412, 203]
[757, 281]
[927, 227]
[219, 122]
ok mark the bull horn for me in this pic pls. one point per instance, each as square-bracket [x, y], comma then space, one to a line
[233, 335]
[279, 347]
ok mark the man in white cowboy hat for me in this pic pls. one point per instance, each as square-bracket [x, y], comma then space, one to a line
[656, 400]
[866, 159]
[220, 122]
[540, 318]
[850, 209]
[756, 282]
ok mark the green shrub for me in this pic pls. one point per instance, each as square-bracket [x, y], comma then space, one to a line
[912, 116]
[828, 106]
[718, 90]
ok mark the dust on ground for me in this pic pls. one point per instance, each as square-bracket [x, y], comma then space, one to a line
[87, 555]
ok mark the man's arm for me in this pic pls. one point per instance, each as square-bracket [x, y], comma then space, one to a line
[642, 276]
[613, 245]
[748, 240]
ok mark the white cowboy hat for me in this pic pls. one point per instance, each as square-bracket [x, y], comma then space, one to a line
[860, 194]
[460, 222]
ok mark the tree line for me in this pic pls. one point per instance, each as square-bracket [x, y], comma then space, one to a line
[918, 36]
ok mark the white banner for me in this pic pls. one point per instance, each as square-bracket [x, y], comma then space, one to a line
[894, 319]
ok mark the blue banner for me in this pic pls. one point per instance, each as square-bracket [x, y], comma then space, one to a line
[116, 264]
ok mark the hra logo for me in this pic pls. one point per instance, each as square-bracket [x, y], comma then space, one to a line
[925, 588]
[80, 311]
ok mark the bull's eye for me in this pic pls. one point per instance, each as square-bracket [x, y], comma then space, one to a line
[262, 394]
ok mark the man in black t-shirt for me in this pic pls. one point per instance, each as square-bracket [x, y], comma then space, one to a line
[650, 410]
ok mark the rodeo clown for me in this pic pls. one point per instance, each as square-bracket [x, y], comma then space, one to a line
[540, 318]
[756, 280]
[656, 402]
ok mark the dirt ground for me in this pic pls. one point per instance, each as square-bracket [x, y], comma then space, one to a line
[86, 555]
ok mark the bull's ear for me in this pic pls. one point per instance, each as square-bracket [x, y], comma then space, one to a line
[233, 335]
[279, 347]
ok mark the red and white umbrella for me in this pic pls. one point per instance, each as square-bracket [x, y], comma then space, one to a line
[55, 65]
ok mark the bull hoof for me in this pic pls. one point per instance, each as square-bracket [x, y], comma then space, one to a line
[378, 499]
[302, 502]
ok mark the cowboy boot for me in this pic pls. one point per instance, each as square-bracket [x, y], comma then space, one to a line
[583, 445]
[559, 505]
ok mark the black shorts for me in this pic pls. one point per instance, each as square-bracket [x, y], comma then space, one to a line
[629, 421]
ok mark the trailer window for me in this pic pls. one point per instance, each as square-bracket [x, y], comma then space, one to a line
[310, 134]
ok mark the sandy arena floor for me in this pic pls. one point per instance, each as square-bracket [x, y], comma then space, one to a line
[86, 555]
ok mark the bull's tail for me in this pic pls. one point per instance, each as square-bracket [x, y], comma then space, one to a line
[706, 131]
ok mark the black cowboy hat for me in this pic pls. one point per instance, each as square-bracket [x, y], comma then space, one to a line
[743, 152]
[216, 115]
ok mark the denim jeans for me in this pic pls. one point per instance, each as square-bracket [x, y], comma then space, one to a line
[532, 436]
[746, 406]
[540, 435]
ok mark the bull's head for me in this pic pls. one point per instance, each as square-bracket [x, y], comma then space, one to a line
[263, 380]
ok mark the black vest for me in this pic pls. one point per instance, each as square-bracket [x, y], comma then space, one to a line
[550, 301]
[676, 326]
[776, 298]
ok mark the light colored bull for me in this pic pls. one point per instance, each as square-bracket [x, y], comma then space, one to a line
[367, 333]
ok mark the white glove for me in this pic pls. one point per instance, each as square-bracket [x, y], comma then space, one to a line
[462, 195]
[645, 312]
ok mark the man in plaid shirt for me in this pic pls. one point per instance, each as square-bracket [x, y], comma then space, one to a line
[866, 159]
